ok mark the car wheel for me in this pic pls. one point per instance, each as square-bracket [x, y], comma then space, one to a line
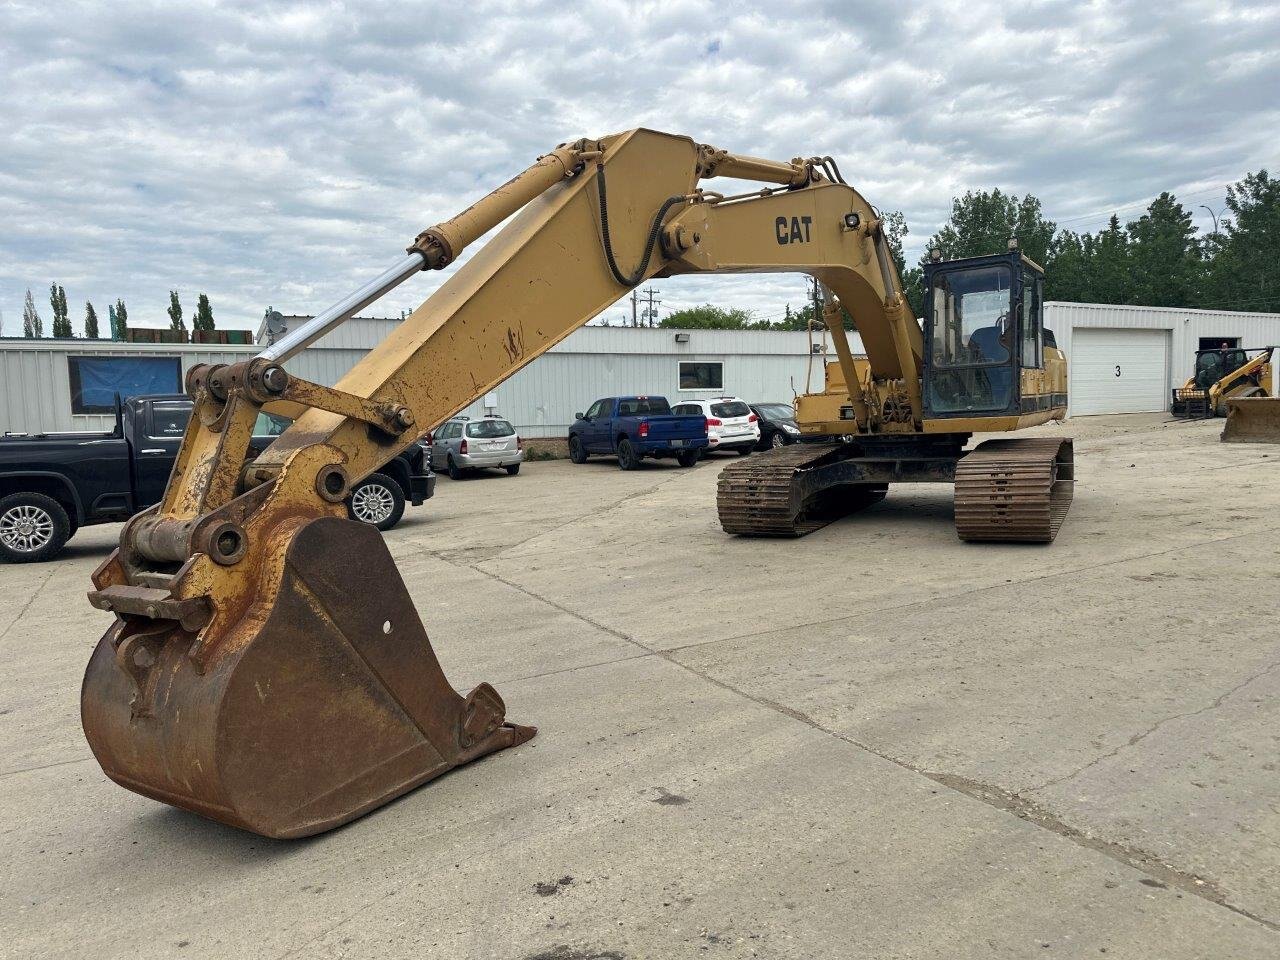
[778, 440]
[687, 458]
[627, 459]
[513, 469]
[455, 471]
[376, 500]
[577, 452]
[33, 528]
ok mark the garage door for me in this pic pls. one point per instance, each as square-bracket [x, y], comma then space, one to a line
[1119, 371]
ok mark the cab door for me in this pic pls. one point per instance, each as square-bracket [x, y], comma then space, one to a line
[156, 439]
[597, 435]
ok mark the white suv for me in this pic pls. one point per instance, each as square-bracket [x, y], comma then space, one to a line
[730, 423]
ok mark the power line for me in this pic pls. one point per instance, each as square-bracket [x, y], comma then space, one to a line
[1138, 204]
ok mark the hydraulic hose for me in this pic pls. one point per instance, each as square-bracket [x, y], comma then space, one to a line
[632, 279]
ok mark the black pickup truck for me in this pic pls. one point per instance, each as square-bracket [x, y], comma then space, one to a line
[51, 484]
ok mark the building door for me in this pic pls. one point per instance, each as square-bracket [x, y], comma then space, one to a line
[1218, 343]
[1119, 371]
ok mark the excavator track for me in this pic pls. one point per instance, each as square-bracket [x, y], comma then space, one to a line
[763, 495]
[1015, 490]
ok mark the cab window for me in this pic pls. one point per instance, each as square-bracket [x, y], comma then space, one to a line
[270, 425]
[169, 420]
[1032, 322]
[971, 322]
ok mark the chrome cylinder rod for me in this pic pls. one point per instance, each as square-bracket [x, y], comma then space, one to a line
[295, 341]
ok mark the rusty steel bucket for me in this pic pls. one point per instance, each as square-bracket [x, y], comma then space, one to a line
[328, 705]
[1252, 420]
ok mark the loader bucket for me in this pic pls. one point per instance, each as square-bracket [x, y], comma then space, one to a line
[327, 706]
[1252, 420]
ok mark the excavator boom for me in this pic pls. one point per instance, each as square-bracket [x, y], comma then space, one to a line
[266, 666]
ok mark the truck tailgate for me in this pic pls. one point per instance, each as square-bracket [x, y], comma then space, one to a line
[675, 427]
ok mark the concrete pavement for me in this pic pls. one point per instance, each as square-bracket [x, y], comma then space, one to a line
[875, 741]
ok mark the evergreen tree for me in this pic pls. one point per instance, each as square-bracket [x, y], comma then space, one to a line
[1068, 273]
[61, 322]
[122, 321]
[1109, 264]
[1165, 267]
[90, 321]
[983, 222]
[1243, 275]
[203, 319]
[175, 312]
[32, 325]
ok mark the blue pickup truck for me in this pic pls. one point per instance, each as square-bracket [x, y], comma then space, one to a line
[632, 428]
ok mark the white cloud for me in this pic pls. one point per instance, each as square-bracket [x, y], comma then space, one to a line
[281, 153]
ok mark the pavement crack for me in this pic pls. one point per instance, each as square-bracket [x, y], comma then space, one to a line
[42, 766]
[1024, 809]
[27, 606]
[1142, 735]
[1006, 801]
[1009, 802]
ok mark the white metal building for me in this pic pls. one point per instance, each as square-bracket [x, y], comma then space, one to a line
[1128, 359]
[595, 362]
[40, 380]
[1122, 360]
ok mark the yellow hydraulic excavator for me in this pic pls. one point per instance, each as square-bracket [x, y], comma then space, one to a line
[266, 666]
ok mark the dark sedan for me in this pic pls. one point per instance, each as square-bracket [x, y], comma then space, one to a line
[777, 424]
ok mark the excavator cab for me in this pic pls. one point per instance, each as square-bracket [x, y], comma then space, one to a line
[983, 325]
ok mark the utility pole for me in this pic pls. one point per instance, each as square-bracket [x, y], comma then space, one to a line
[634, 301]
[651, 311]
[816, 298]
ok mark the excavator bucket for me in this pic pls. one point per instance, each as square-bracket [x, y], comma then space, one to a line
[1252, 420]
[322, 709]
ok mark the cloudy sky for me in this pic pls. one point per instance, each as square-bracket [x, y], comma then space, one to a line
[281, 154]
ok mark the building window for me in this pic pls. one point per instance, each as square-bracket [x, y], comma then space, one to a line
[701, 375]
[97, 381]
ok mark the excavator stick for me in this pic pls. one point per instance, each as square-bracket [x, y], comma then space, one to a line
[1252, 420]
[330, 706]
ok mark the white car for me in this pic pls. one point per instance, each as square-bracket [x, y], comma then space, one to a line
[730, 423]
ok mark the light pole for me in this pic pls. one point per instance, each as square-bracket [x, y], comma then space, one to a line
[1212, 214]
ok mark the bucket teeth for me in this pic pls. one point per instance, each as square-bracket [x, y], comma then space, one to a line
[327, 708]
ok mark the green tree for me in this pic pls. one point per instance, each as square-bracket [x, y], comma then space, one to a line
[983, 222]
[32, 325]
[122, 321]
[90, 321]
[204, 314]
[911, 278]
[1110, 266]
[1068, 272]
[1165, 266]
[1245, 272]
[61, 322]
[175, 312]
[708, 317]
